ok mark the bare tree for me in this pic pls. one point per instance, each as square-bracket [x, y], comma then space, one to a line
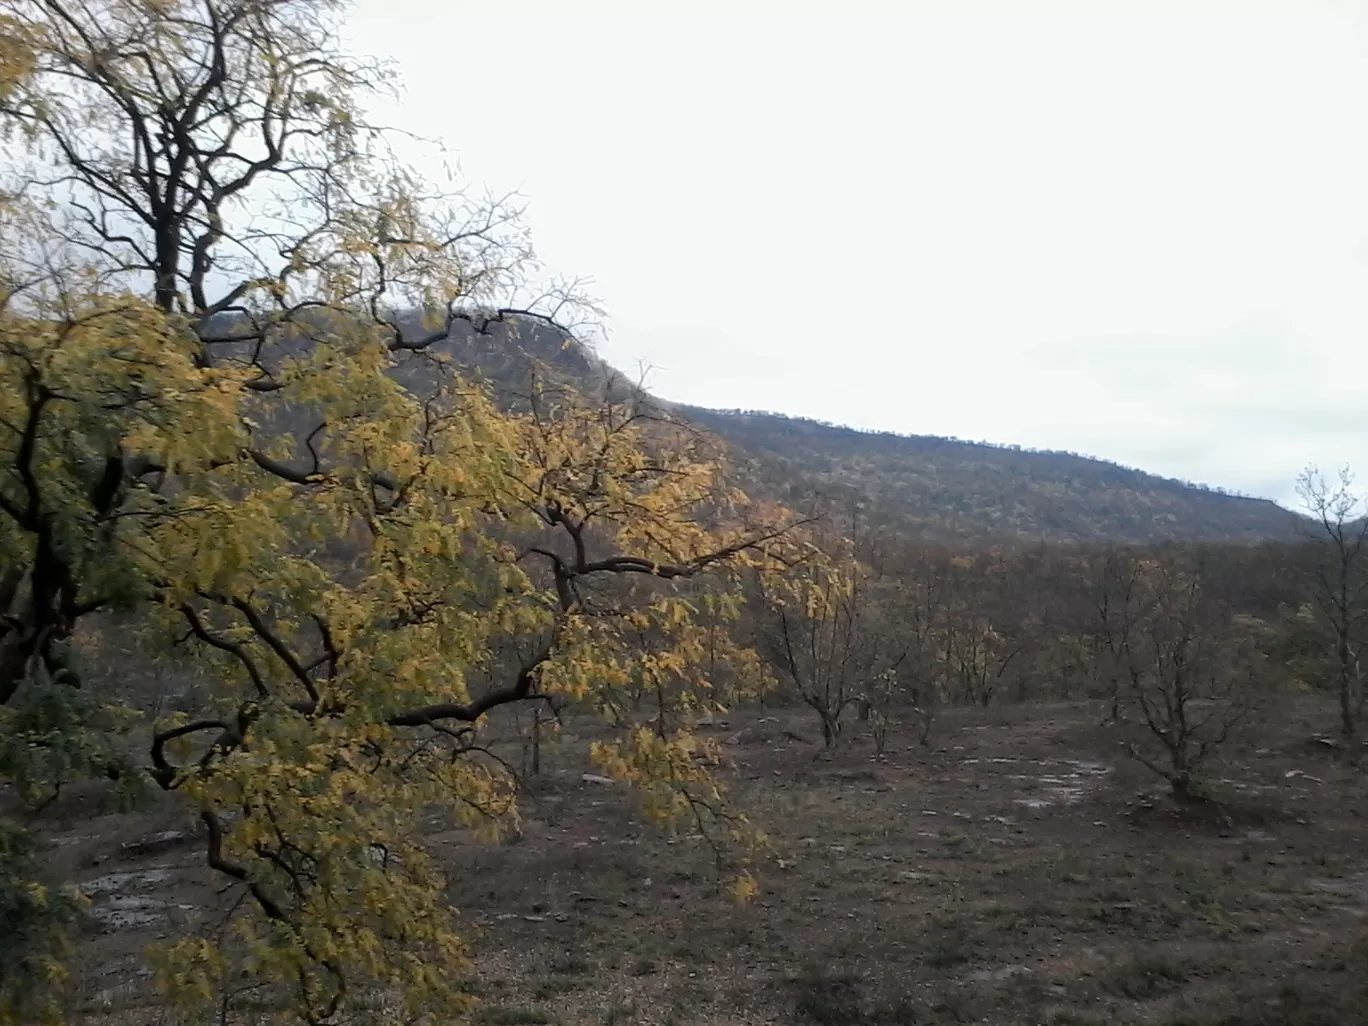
[919, 674]
[1339, 580]
[816, 657]
[1191, 669]
[818, 643]
[1110, 620]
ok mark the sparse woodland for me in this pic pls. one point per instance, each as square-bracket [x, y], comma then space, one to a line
[282, 415]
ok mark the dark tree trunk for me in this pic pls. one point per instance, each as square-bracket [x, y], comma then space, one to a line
[831, 730]
[1182, 786]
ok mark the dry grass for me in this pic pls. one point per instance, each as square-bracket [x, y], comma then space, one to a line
[1009, 874]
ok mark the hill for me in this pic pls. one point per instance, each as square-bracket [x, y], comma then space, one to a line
[946, 489]
[930, 488]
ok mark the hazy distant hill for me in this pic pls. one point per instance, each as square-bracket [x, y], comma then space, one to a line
[942, 488]
[931, 488]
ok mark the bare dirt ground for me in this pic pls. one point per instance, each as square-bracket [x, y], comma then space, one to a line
[1018, 871]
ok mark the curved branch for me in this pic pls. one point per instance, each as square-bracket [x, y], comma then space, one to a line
[163, 772]
[469, 712]
[277, 646]
[639, 565]
[218, 861]
[222, 644]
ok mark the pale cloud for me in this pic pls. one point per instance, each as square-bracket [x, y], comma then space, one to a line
[1134, 230]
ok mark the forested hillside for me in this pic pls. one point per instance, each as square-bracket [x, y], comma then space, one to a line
[944, 489]
[924, 487]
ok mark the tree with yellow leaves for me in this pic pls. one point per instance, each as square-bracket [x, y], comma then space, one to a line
[221, 420]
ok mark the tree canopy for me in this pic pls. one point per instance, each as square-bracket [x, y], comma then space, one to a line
[230, 422]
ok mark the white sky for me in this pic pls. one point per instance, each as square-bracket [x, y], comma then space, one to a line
[1133, 230]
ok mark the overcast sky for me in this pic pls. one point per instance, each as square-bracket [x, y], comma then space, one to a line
[1132, 230]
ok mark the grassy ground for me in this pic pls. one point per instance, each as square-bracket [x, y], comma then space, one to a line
[1017, 871]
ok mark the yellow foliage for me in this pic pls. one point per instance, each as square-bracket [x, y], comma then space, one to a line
[363, 554]
[329, 611]
[744, 887]
[16, 53]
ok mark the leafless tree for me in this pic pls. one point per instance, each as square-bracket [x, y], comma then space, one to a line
[1110, 619]
[919, 674]
[825, 631]
[817, 640]
[1338, 576]
[1192, 672]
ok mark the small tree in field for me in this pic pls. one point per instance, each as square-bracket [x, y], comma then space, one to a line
[1192, 672]
[1109, 613]
[1338, 574]
[816, 637]
[880, 698]
[910, 611]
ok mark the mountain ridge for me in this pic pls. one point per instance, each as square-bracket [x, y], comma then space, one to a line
[928, 487]
[954, 440]
[943, 489]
